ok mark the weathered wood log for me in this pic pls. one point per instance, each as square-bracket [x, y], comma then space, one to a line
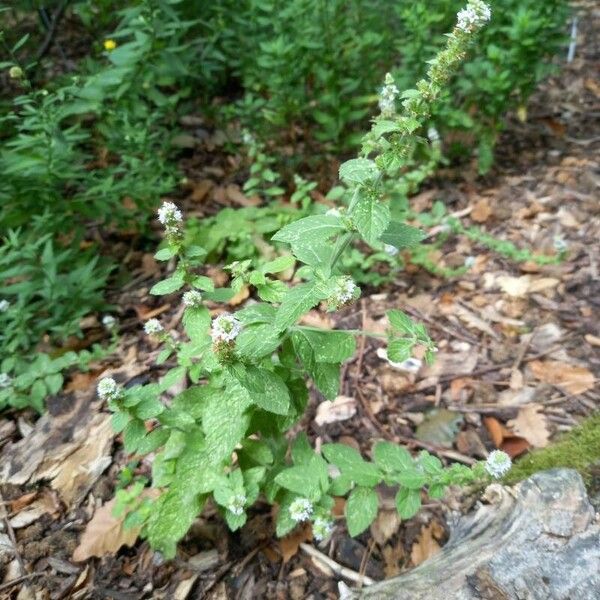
[537, 541]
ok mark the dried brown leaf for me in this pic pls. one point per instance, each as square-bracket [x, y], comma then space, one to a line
[570, 378]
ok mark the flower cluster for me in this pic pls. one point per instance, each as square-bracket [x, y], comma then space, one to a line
[387, 97]
[192, 299]
[301, 509]
[225, 328]
[236, 504]
[5, 380]
[109, 322]
[559, 242]
[109, 45]
[498, 464]
[108, 390]
[153, 327]
[322, 528]
[170, 216]
[473, 16]
[344, 292]
[4, 305]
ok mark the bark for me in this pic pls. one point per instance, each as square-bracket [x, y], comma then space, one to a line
[537, 541]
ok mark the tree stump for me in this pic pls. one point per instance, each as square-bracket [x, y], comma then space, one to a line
[537, 541]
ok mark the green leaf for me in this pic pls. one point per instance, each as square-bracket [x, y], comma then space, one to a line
[302, 451]
[133, 433]
[391, 457]
[119, 421]
[309, 229]
[327, 379]
[408, 502]
[165, 253]
[53, 383]
[401, 322]
[196, 322]
[285, 523]
[400, 350]
[257, 451]
[281, 263]
[299, 300]
[148, 408]
[203, 283]
[328, 346]
[411, 479]
[358, 170]
[272, 291]
[351, 464]
[401, 235]
[168, 286]
[301, 480]
[382, 127]
[155, 439]
[266, 389]
[371, 218]
[436, 491]
[361, 509]
[225, 420]
[256, 341]
[171, 517]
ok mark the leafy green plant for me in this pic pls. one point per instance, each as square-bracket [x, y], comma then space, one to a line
[225, 436]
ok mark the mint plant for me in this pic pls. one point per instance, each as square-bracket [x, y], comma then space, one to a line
[225, 437]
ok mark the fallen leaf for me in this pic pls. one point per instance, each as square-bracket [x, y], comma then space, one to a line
[144, 312]
[516, 287]
[341, 409]
[104, 534]
[385, 526]
[200, 189]
[532, 425]
[481, 211]
[393, 557]
[235, 195]
[504, 439]
[426, 545]
[239, 297]
[570, 378]
[289, 545]
[439, 427]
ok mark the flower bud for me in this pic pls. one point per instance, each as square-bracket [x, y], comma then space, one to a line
[498, 464]
[301, 509]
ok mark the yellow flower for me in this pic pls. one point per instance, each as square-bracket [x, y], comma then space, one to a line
[110, 45]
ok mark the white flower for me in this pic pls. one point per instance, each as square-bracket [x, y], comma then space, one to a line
[109, 322]
[498, 463]
[5, 380]
[560, 244]
[301, 509]
[152, 327]
[391, 250]
[108, 389]
[225, 328]
[469, 261]
[387, 97]
[433, 134]
[236, 504]
[170, 216]
[322, 529]
[192, 298]
[473, 16]
[345, 291]
[4, 305]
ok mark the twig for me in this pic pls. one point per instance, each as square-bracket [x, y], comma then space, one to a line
[13, 539]
[9, 584]
[336, 567]
[573, 42]
[56, 18]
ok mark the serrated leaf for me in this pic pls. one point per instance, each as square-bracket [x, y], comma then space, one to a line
[328, 346]
[327, 379]
[133, 433]
[382, 127]
[119, 420]
[167, 286]
[351, 464]
[371, 218]
[225, 420]
[256, 341]
[361, 509]
[148, 408]
[203, 283]
[272, 291]
[281, 263]
[155, 439]
[401, 322]
[411, 478]
[298, 300]
[316, 227]
[266, 389]
[392, 457]
[164, 254]
[401, 235]
[358, 170]
[301, 480]
[196, 322]
[399, 350]
[408, 502]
